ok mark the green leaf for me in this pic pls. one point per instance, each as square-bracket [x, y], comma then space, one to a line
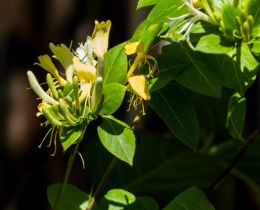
[118, 199]
[72, 198]
[236, 116]
[253, 9]
[149, 35]
[160, 14]
[69, 136]
[144, 203]
[214, 44]
[256, 46]
[176, 110]
[229, 13]
[118, 138]
[190, 199]
[161, 160]
[113, 97]
[63, 54]
[202, 74]
[145, 3]
[115, 65]
[165, 9]
[239, 69]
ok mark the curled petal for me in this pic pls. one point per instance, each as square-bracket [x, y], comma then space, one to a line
[134, 47]
[85, 72]
[38, 89]
[138, 84]
[100, 37]
[47, 64]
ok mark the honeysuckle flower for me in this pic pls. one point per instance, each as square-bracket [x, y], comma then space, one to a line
[38, 89]
[180, 27]
[85, 52]
[100, 37]
[138, 83]
[77, 91]
[47, 64]
[85, 72]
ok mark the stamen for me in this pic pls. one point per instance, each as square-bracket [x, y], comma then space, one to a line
[40, 145]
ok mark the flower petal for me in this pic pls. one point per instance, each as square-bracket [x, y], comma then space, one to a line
[100, 37]
[134, 47]
[138, 84]
[85, 72]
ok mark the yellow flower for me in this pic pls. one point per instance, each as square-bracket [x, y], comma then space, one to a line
[100, 37]
[134, 47]
[85, 72]
[139, 85]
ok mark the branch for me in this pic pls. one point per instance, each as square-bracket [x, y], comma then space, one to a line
[243, 150]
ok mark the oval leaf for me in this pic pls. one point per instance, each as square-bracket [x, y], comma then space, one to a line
[113, 97]
[236, 116]
[118, 199]
[72, 198]
[214, 44]
[115, 65]
[177, 112]
[190, 199]
[69, 136]
[118, 138]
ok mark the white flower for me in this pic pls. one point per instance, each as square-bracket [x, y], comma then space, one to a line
[85, 52]
[181, 26]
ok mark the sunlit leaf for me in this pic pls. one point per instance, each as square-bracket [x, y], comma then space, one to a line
[145, 3]
[118, 138]
[115, 65]
[214, 44]
[69, 136]
[113, 97]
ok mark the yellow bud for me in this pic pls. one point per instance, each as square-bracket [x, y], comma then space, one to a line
[197, 3]
[100, 37]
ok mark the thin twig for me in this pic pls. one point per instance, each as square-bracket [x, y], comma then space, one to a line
[102, 184]
[108, 172]
[66, 177]
[250, 140]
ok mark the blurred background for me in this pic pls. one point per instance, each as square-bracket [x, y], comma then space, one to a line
[26, 28]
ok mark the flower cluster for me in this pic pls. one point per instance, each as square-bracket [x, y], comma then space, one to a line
[75, 91]
[233, 17]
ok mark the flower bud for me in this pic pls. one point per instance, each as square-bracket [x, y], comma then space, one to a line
[246, 31]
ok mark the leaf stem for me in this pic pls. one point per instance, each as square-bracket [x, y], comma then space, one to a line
[243, 150]
[108, 172]
[68, 172]
[102, 183]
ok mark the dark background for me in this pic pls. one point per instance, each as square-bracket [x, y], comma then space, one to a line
[26, 28]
